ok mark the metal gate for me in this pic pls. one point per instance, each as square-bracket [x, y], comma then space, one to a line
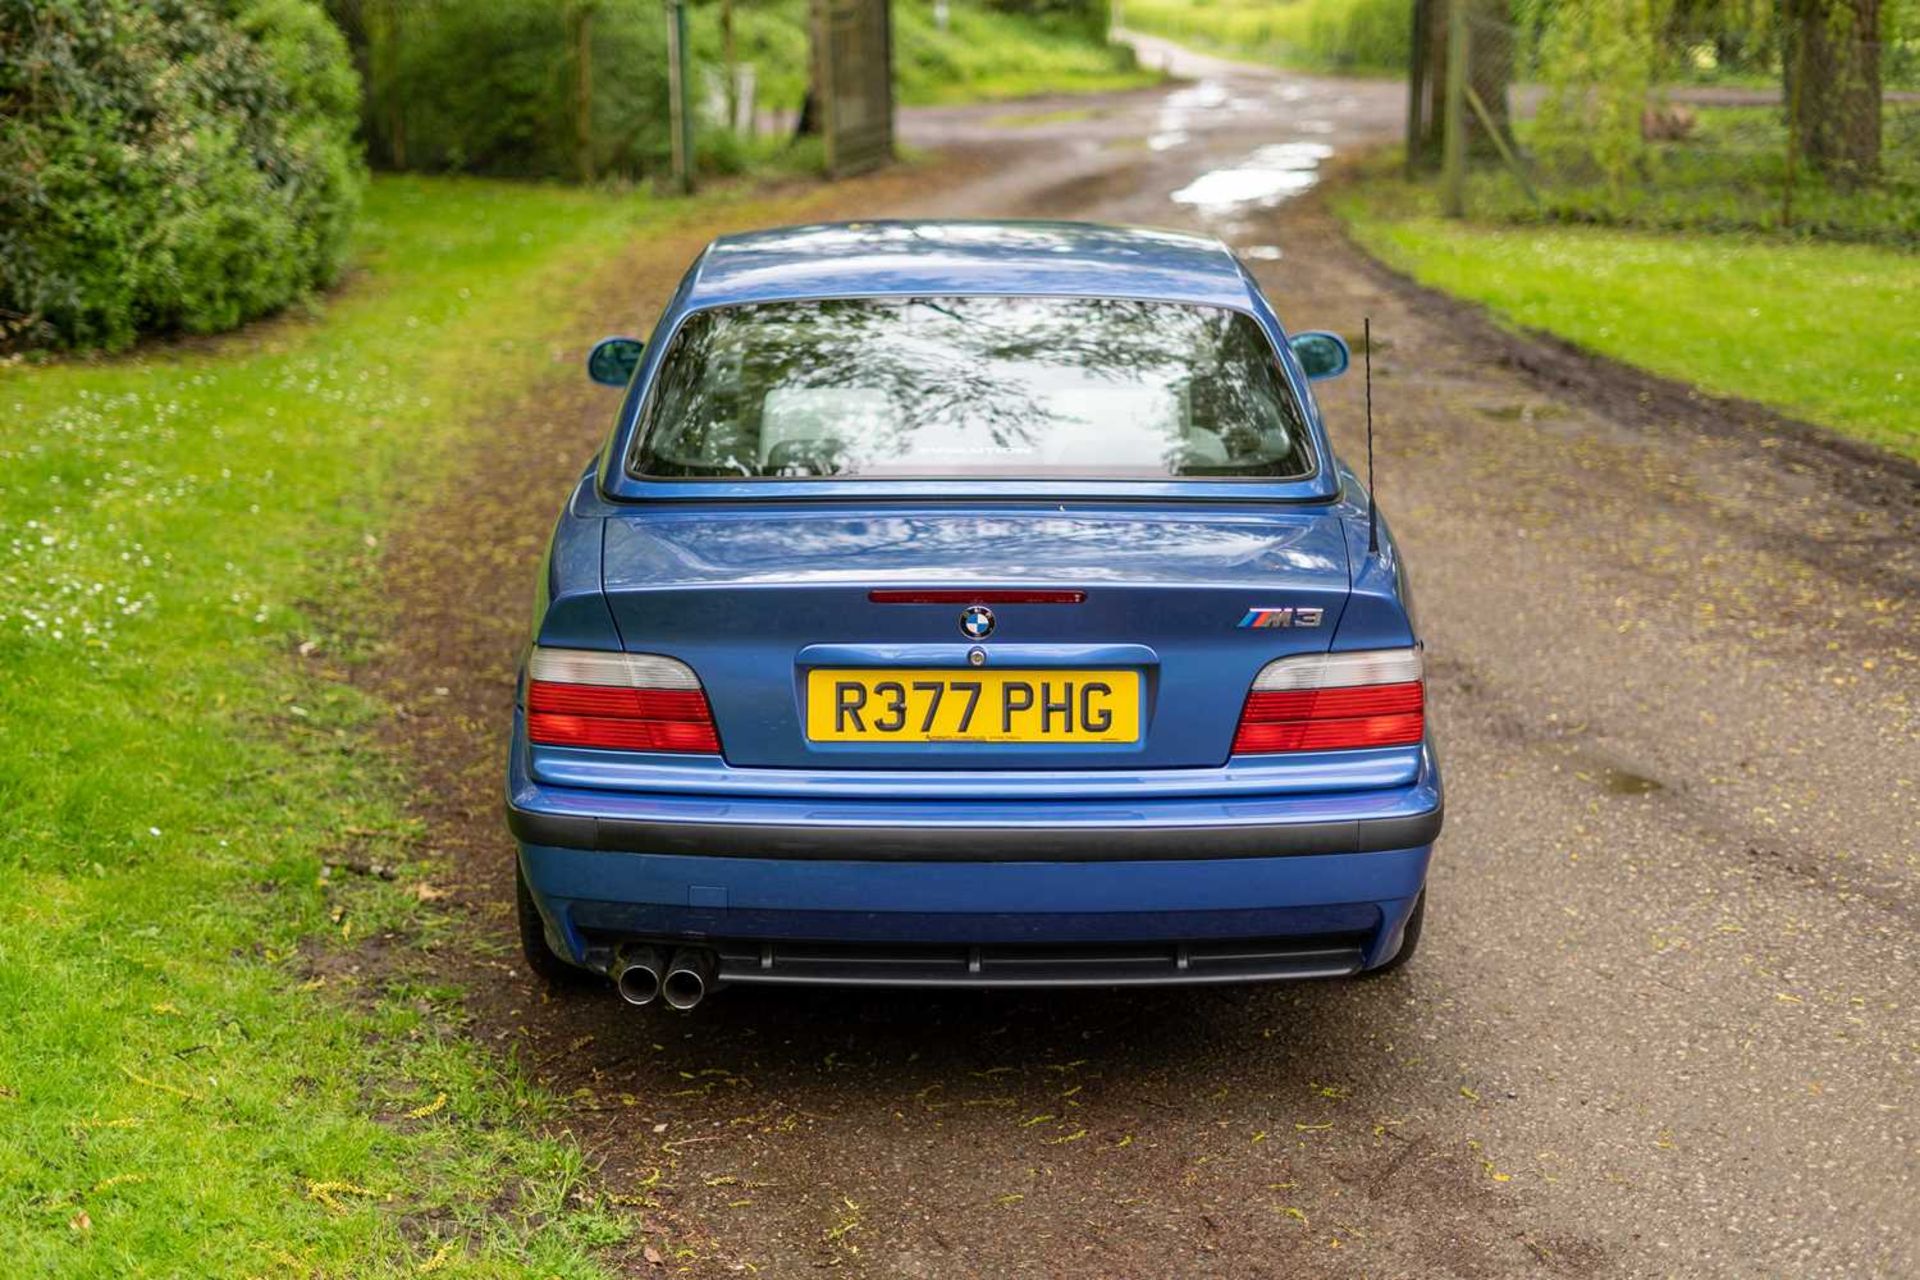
[853, 82]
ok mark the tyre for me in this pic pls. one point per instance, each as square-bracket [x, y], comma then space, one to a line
[1409, 940]
[546, 966]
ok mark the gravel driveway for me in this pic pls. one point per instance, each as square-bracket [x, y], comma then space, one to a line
[1663, 1021]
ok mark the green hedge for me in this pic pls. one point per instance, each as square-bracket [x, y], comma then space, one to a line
[1088, 19]
[1372, 36]
[168, 165]
[493, 86]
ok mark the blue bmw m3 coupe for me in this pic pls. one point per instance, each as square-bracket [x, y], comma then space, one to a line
[969, 605]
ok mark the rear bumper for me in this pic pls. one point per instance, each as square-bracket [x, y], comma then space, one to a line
[1358, 902]
[886, 839]
[979, 894]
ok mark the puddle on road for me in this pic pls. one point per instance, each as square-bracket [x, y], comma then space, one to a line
[1265, 178]
[1181, 109]
[1261, 252]
[1177, 111]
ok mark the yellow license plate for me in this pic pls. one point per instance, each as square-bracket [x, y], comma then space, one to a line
[894, 705]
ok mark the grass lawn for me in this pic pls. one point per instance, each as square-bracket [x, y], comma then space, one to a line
[1822, 332]
[1356, 37]
[180, 1092]
[983, 55]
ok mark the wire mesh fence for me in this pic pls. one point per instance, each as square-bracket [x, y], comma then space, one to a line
[1607, 112]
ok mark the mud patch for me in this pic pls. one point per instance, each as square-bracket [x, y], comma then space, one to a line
[1624, 782]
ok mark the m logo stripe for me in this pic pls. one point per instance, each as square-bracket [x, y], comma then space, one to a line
[1290, 616]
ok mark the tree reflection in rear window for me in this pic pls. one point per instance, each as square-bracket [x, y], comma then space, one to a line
[972, 387]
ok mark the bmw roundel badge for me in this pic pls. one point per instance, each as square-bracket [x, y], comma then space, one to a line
[976, 622]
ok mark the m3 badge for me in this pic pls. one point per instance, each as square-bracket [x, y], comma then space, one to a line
[1287, 617]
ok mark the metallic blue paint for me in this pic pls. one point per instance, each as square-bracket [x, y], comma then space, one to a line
[753, 583]
[570, 602]
[783, 899]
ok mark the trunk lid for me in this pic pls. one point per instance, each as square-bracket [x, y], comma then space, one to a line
[757, 597]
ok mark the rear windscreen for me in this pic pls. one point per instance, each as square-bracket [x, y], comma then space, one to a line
[972, 387]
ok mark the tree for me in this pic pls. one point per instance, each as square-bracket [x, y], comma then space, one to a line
[1599, 61]
[1832, 84]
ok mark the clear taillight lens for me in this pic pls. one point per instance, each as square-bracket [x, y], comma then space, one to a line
[617, 701]
[1334, 702]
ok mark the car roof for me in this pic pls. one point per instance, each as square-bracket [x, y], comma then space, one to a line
[864, 259]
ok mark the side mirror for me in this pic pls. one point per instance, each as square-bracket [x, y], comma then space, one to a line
[1321, 354]
[612, 361]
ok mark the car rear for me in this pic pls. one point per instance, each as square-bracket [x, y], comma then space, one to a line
[1158, 729]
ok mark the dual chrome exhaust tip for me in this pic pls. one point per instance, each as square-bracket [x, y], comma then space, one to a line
[642, 975]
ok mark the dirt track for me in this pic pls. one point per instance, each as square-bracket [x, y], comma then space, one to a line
[1662, 1022]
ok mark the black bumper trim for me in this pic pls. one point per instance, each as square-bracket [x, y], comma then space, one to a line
[971, 844]
[986, 967]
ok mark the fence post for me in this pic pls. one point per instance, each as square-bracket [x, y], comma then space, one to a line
[730, 65]
[583, 88]
[1793, 124]
[1416, 85]
[679, 90]
[1453, 156]
[383, 57]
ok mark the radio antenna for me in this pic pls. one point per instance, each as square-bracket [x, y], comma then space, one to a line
[1373, 502]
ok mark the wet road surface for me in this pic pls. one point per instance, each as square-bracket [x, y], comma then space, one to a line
[1662, 1022]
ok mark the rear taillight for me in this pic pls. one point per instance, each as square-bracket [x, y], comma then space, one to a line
[617, 701]
[1335, 701]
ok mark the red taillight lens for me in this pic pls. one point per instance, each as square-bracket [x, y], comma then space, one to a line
[879, 596]
[616, 701]
[1335, 702]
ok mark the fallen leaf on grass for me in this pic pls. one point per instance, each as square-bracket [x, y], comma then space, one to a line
[119, 1180]
[325, 1191]
[421, 1113]
[123, 1122]
[175, 1090]
[631, 1202]
[437, 1261]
